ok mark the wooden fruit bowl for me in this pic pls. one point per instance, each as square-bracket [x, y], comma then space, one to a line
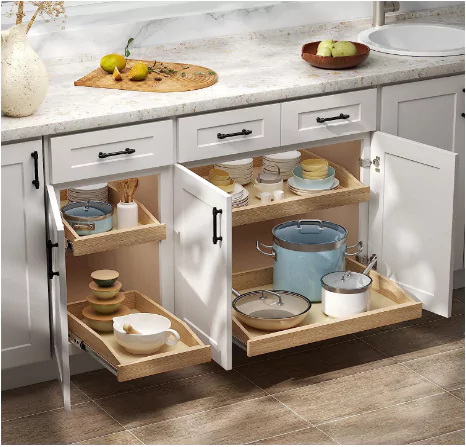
[308, 53]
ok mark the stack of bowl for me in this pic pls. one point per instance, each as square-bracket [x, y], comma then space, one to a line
[312, 176]
[222, 179]
[105, 301]
[97, 193]
[285, 161]
[241, 171]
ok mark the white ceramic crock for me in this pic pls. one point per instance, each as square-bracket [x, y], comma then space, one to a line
[154, 333]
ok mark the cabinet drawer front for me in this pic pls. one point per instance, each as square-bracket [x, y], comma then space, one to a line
[355, 113]
[76, 157]
[198, 135]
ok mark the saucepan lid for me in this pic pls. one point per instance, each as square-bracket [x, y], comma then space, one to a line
[271, 304]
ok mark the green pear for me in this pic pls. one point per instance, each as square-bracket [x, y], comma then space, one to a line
[325, 44]
[344, 48]
[326, 51]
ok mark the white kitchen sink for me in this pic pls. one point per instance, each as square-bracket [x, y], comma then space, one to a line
[415, 39]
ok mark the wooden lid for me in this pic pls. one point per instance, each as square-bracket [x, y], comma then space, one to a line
[91, 314]
[105, 275]
[94, 286]
[119, 298]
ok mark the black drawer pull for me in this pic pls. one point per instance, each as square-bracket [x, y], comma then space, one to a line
[221, 136]
[342, 116]
[112, 154]
[50, 272]
[462, 114]
[35, 156]
[216, 238]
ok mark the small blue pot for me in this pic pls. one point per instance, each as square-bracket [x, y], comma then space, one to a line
[303, 252]
[89, 217]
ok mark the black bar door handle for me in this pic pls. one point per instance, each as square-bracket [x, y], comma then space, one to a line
[341, 116]
[221, 136]
[216, 238]
[35, 156]
[50, 272]
[112, 154]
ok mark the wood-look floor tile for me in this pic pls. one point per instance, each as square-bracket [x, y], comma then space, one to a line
[179, 398]
[455, 438]
[457, 307]
[102, 383]
[307, 436]
[419, 341]
[446, 369]
[36, 398]
[458, 393]
[233, 424]
[85, 421]
[400, 424]
[357, 394]
[120, 438]
[314, 366]
[459, 294]
[240, 357]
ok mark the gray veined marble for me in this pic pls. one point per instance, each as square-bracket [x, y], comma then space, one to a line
[252, 69]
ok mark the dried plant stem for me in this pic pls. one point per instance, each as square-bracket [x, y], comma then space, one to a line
[33, 17]
[20, 14]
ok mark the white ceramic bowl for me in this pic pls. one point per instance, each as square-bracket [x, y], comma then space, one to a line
[154, 333]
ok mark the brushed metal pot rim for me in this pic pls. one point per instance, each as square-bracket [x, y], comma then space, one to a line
[345, 291]
[254, 292]
[73, 205]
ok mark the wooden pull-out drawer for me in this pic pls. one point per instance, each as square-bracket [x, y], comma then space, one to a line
[349, 191]
[131, 148]
[227, 133]
[149, 229]
[328, 116]
[389, 304]
[187, 352]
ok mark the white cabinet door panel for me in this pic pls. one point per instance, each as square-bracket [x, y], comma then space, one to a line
[203, 270]
[411, 218]
[25, 306]
[58, 298]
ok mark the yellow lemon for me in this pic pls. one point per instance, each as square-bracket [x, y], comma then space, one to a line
[110, 61]
[116, 75]
[138, 72]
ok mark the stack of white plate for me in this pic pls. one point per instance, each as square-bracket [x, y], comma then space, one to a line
[241, 171]
[240, 196]
[98, 193]
[286, 161]
[294, 188]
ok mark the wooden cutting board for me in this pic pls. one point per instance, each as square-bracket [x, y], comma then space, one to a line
[184, 79]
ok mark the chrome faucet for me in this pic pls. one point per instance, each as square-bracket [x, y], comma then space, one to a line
[379, 10]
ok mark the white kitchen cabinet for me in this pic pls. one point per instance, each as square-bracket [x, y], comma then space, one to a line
[410, 229]
[25, 303]
[432, 112]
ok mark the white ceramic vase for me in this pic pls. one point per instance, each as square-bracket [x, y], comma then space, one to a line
[24, 76]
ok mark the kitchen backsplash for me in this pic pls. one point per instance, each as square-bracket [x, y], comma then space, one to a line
[103, 29]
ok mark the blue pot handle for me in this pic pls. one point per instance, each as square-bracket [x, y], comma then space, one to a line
[273, 254]
[310, 221]
[359, 244]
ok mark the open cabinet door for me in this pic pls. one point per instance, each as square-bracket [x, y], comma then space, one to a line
[203, 265]
[57, 288]
[411, 217]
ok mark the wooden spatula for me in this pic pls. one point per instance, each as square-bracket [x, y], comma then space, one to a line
[130, 329]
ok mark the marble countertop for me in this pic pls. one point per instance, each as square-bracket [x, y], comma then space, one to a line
[252, 69]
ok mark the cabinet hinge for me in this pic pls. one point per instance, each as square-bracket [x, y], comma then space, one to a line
[366, 163]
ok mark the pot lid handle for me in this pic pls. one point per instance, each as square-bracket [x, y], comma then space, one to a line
[310, 221]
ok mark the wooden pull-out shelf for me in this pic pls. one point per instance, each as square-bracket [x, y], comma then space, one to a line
[148, 230]
[188, 351]
[350, 191]
[389, 304]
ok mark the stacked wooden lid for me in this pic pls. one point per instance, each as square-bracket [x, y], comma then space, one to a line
[105, 300]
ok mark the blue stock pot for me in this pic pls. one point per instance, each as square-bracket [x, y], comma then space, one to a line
[303, 252]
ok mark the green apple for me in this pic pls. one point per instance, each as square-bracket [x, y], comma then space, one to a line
[344, 48]
[324, 52]
[325, 44]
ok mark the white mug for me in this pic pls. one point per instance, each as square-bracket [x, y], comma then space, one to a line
[266, 197]
[278, 195]
[154, 333]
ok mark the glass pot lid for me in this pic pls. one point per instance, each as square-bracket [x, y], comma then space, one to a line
[271, 305]
[88, 210]
[346, 282]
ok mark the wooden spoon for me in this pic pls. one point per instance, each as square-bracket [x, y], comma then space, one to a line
[130, 329]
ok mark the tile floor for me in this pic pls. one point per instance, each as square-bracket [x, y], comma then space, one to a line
[402, 384]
